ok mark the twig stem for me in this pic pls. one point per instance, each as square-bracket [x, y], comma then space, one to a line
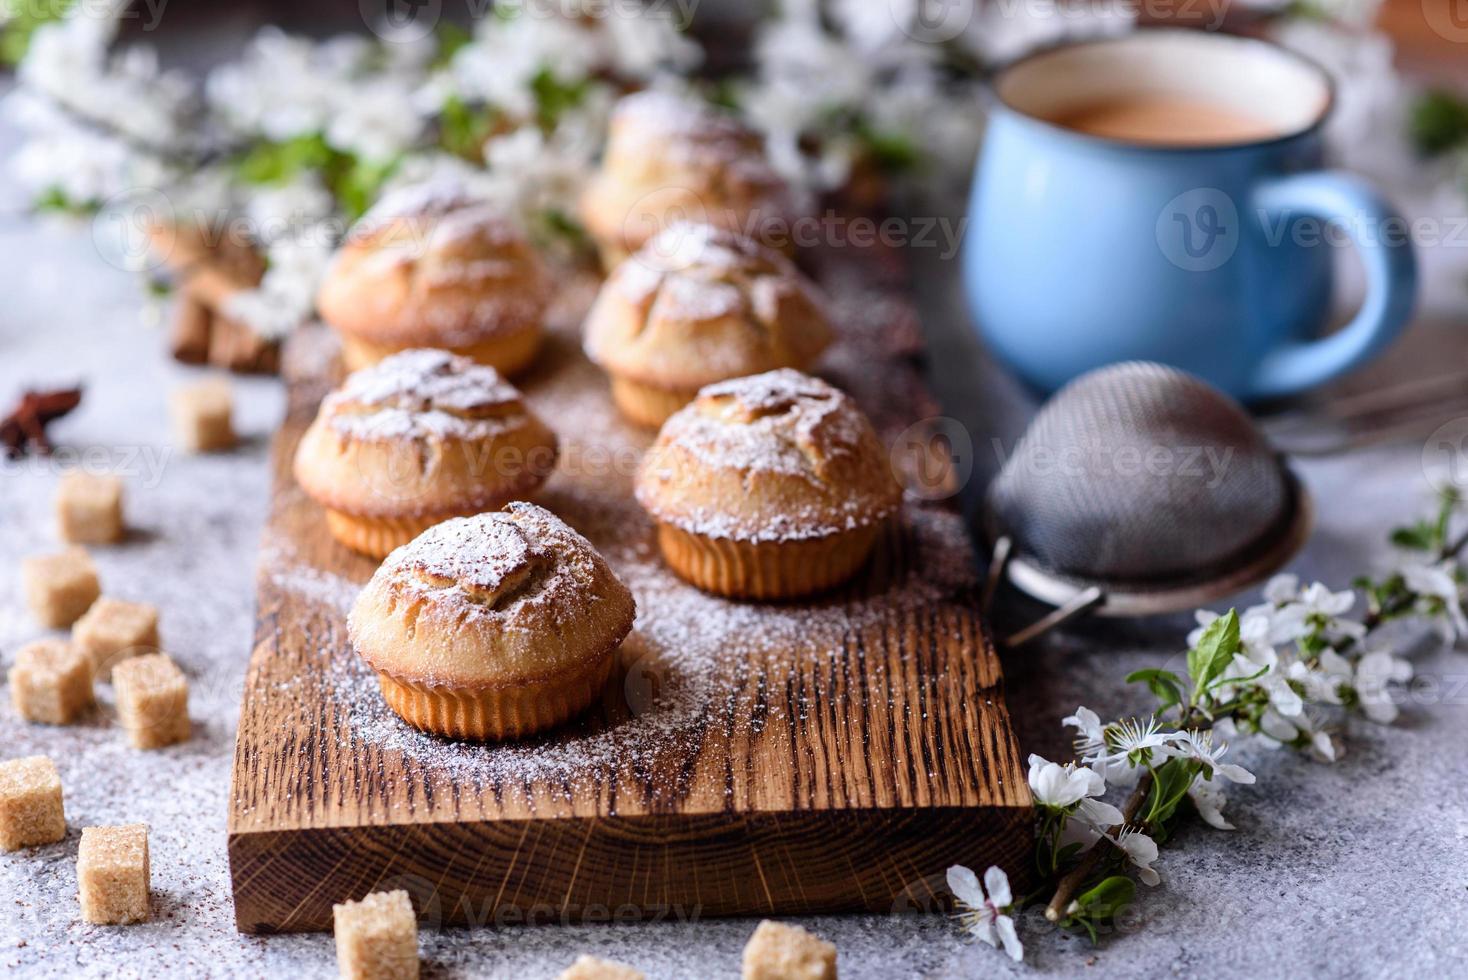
[1071, 881]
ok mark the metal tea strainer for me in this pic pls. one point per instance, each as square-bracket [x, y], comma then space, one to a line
[1140, 489]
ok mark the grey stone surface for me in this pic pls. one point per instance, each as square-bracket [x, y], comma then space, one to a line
[1356, 869]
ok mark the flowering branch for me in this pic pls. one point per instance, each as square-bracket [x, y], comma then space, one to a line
[1273, 673]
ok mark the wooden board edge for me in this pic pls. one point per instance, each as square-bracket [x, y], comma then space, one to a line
[545, 871]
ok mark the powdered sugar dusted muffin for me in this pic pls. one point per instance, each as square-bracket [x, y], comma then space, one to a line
[416, 439]
[670, 158]
[433, 265]
[494, 626]
[697, 305]
[768, 487]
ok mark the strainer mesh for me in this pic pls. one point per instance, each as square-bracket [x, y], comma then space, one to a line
[1139, 473]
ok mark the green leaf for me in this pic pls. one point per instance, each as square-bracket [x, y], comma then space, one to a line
[553, 225]
[20, 26]
[1100, 903]
[553, 97]
[1107, 898]
[722, 92]
[1167, 686]
[1221, 680]
[1418, 537]
[891, 152]
[1438, 123]
[1170, 784]
[273, 162]
[1214, 652]
[55, 201]
[462, 128]
[451, 37]
[357, 185]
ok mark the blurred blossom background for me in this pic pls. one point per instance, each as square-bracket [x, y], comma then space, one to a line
[293, 118]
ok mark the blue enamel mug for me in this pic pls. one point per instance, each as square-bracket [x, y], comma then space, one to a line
[1215, 257]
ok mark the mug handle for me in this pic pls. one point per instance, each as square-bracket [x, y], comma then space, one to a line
[1391, 279]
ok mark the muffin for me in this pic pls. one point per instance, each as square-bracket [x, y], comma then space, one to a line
[669, 158]
[434, 266]
[416, 439]
[697, 305]
[492, 627]
[770, 487]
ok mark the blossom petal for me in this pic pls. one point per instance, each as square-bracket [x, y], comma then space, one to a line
[1324, 746]
[965, 886]
[1284, 698]
[1234, 774]
[1100, 814]
[981, 927]
[996, 884]
[1012, 945]
[1085, 720]
[1077, 830]
[1282, 588]
[1094, 782]
[1277, 727]
[1209, 800]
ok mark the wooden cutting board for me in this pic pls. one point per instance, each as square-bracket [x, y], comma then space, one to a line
[746, 759]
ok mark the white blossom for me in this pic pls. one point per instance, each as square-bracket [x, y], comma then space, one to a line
[78, 98]
[1323, 683]
[1114, 750]
[280, 88]
[1438, 582]
[981, 909]
[405, 45]
[283, 209]
[1198, 746]
[1303, 729]
[1375, 672]
[1209, 800]
[1062, 786]
[1282, 589]
[286, 296]
[1141, 851]
[1317, 606]
[501, 63]
[85, 167]
[375, 121]
[1000, 32]
[872, 25]
[641, 43]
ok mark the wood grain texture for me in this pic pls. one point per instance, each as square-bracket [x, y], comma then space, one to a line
[746, 760]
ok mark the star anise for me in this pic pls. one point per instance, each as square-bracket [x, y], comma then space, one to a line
[24, 429]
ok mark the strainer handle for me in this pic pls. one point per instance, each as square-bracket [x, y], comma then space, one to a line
[1381, 237]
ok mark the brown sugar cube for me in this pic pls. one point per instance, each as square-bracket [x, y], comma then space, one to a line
[202, 416]
[89, 508]
[377, 938]
[51, 682]
[113, 630]
[30, 803]
[781, 952]
[152, 701]
[593, 968]
[112, 874]
[59, 588]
